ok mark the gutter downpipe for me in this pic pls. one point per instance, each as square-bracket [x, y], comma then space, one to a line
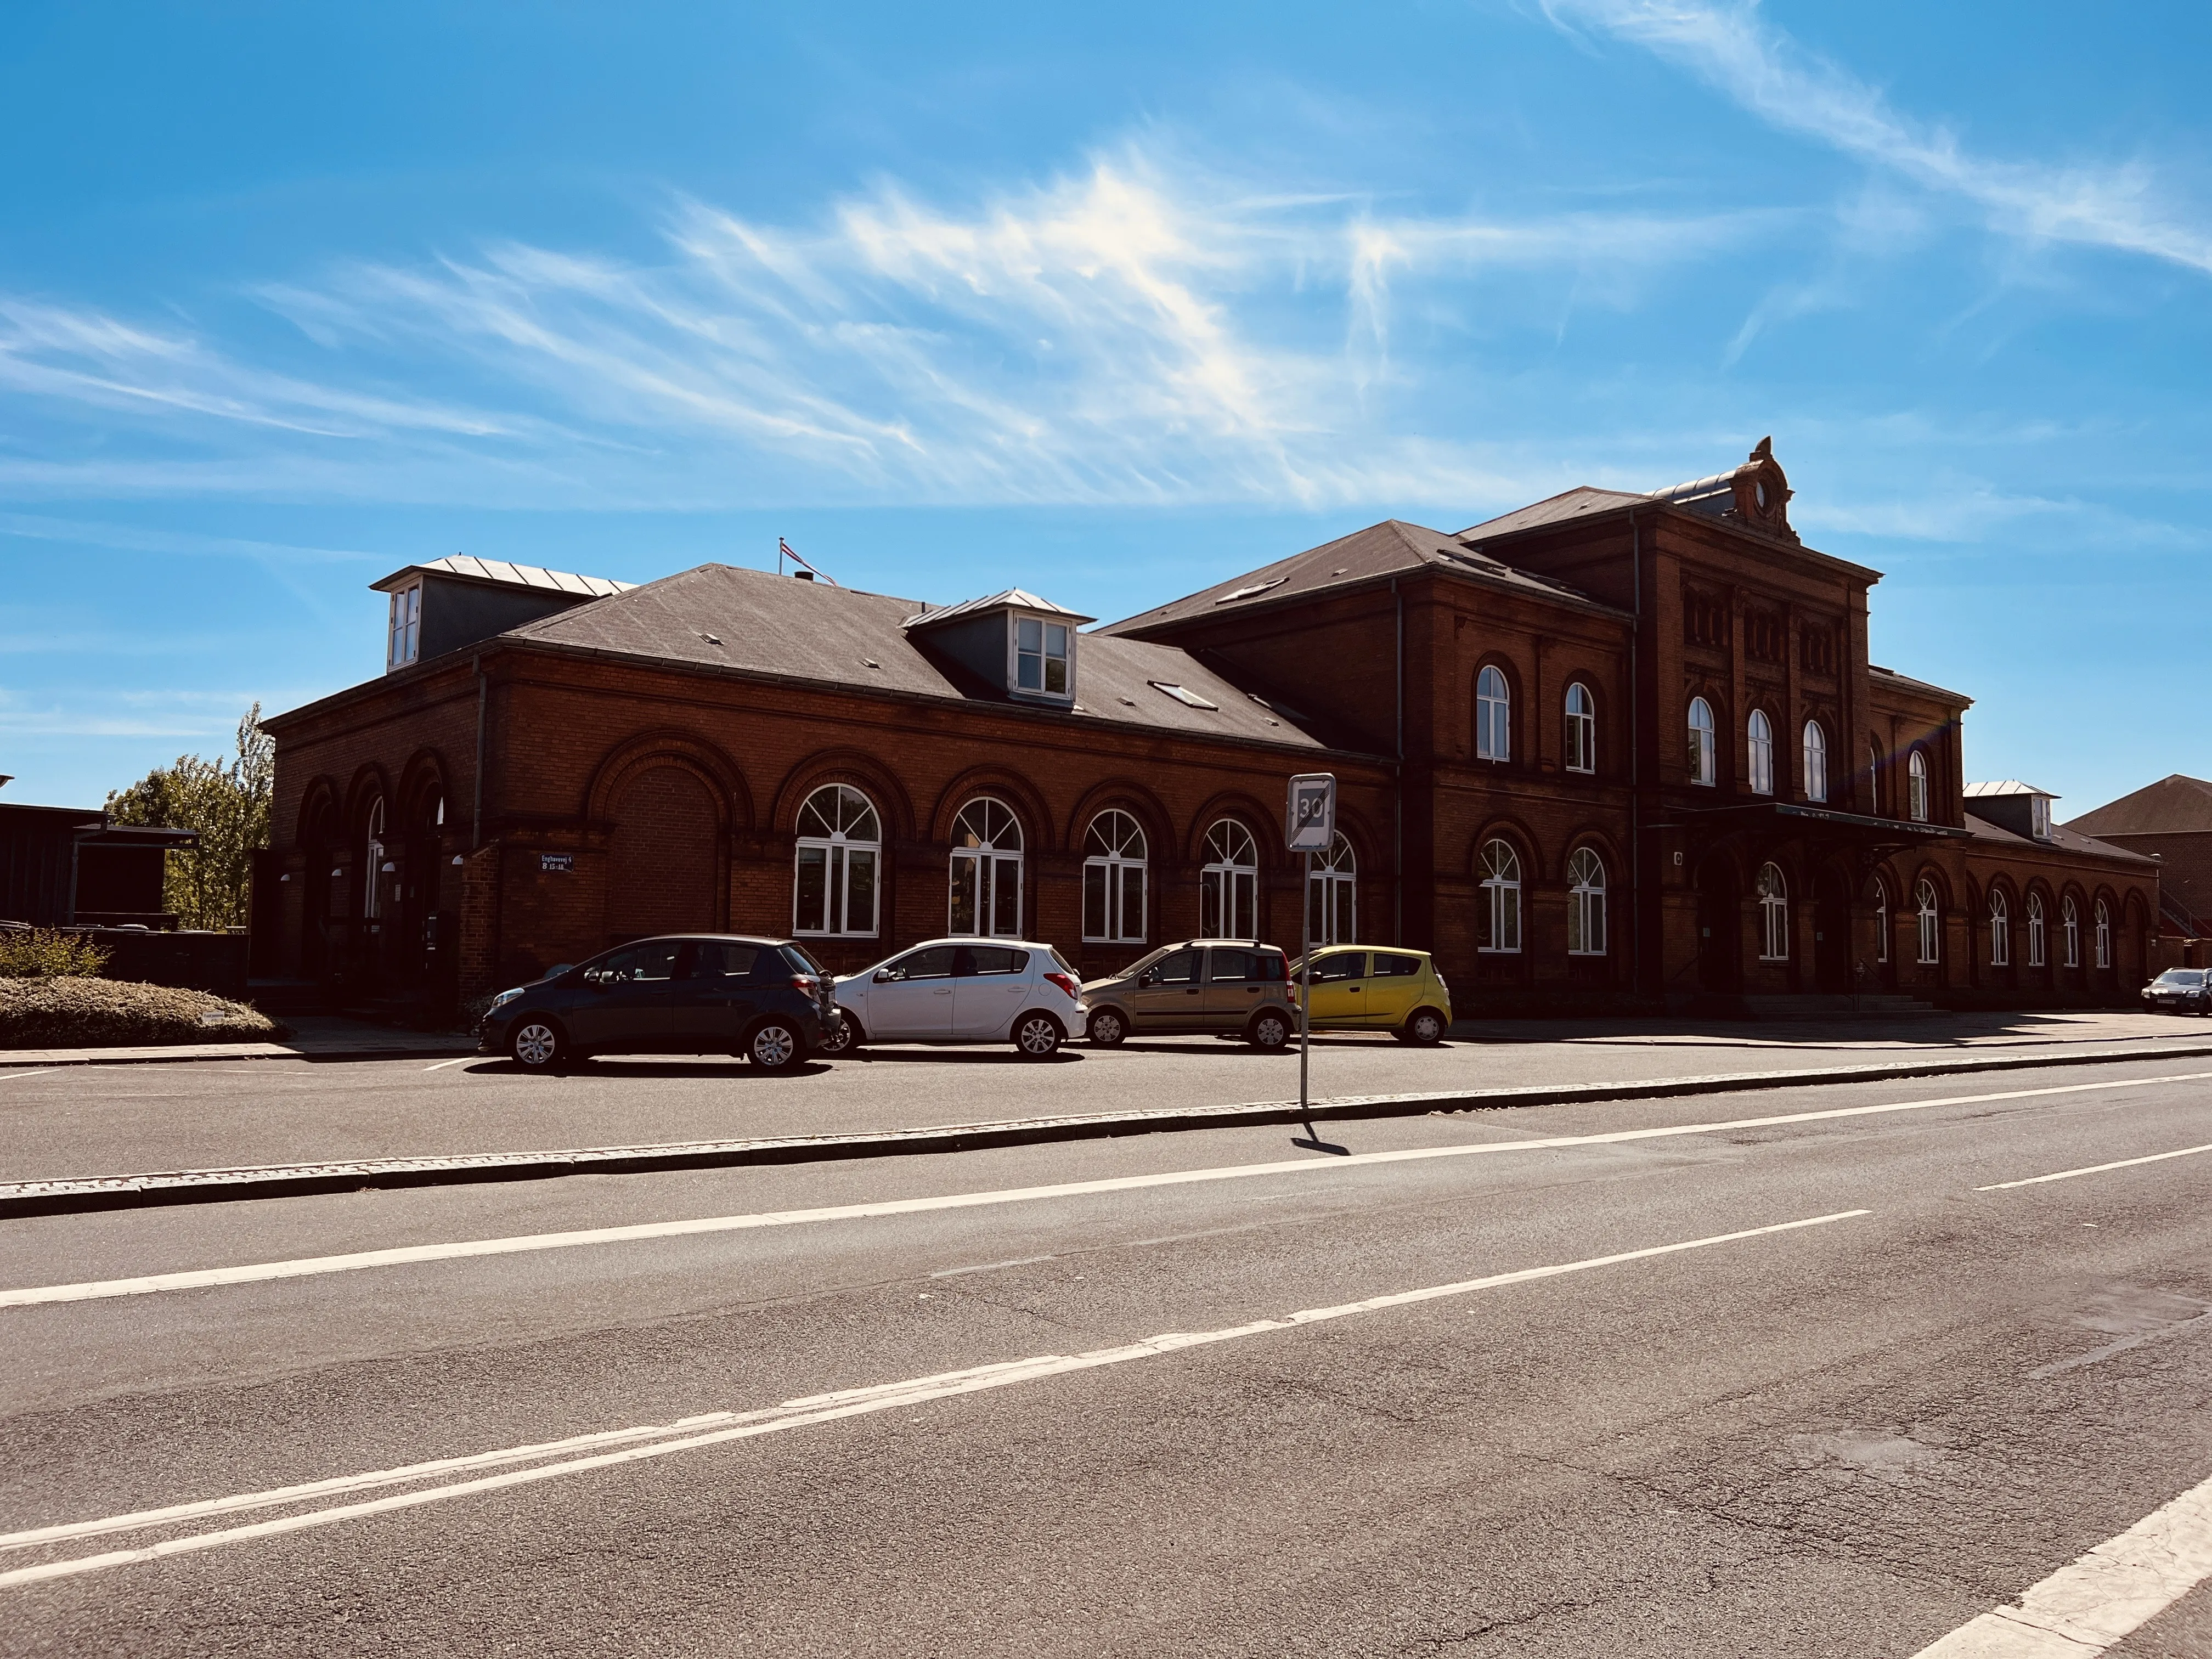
[1398, 786]
[1636, 757]
[475, 815]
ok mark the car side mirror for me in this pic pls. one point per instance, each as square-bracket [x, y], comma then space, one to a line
[887, 977]
[1148, 979]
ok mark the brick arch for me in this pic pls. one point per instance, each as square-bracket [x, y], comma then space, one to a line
[1885, 872]
[856, 768]
[719, 776]
[1947, 892]
[370, 784]
[1127, 795]
[1237, 805]
[1512, 830]
[420, 780]
[1600, 842]
[1599, 689]
[320, 816]
[666, 873]
[1005, 785]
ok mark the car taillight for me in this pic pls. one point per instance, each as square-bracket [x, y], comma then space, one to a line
[1066, 982]
[805, 982]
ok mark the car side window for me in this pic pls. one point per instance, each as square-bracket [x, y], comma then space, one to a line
[935, 962]
[1388, 967]
[646, 961]
[978, 959]
[1226, 967]
[714, 959]
[1345, 965]
[1176, 968]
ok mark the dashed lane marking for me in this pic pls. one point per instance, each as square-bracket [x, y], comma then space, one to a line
[442, 1064]
[2095, 1169]
[44, 1071]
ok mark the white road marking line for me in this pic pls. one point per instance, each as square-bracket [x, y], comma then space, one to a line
[355, 1261]
[2085, 1607]
[793, 1413]
[42, 1071]
[442, 1064]
[2094, 1169]
[2095, 1355]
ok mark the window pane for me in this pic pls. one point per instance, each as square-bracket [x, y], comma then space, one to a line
[813, 911]
[993, 959]
[936, 963]
[1178, 968]
[1133, 903]
[1390, 967]
[1006, 892]
[860, 890]
[1343, 965]
[1510, 931]
[1029, 634]
[1094, 901]
[1209, 906]
[1055, 674]
[1229, 967]
[965, 872]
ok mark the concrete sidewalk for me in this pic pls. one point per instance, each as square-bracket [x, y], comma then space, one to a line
[313, 1036]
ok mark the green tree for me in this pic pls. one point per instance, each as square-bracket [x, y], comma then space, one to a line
[228, 802]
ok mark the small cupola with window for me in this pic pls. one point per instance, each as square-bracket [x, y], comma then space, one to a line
[445, 604]
[2020, 807]
[1013, 641]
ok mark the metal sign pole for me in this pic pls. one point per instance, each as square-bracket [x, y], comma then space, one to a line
[1305, 981]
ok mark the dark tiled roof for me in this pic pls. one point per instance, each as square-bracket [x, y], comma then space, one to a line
[2174, 805]
[722, 617]
[1579, 502]
[1891, 676]
[1382, 549]
[2062, 840]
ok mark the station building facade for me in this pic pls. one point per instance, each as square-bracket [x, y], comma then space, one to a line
[1611, 750]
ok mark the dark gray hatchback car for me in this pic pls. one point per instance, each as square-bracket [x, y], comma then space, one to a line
[708, 994]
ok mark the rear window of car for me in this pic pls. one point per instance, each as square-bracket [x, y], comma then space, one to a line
[1388, 966]
[977, 959]
[796, 955]
[718, 959]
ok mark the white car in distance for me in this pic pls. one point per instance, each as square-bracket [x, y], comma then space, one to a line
[963, 990]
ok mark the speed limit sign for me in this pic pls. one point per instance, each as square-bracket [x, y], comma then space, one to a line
[1309, 815]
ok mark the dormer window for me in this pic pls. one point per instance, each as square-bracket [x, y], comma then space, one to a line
[1041, 657]
[404, 644]
[2038, 816]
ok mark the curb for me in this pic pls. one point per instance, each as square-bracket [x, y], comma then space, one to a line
[83, 1195]
[455, 1049]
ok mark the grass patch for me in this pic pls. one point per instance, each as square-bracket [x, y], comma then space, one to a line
[72, 1011]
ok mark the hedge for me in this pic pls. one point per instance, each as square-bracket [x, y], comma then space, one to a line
[75, 1013]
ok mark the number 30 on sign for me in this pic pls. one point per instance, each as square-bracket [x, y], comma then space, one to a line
[1310, 814]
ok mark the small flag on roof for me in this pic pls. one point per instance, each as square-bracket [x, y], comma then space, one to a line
[784, 551]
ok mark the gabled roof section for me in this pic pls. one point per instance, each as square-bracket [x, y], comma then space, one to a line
[1890, 677]
[1388, 549]
[498, 573]
[1013, 599]
[2176, 805]
[1580, 502]
[2009, 787]
[2062, 840]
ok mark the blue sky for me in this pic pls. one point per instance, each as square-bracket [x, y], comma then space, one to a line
[1109, 306]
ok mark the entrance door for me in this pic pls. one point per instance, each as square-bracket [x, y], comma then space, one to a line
[1718, 926]
[1832, 933]
[717, 997]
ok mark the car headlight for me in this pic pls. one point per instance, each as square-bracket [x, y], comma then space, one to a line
[503, 998]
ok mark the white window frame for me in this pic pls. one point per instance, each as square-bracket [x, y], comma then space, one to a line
[2038, 816]
[2039, 942]
[1580, 729]
[990, 864]
[1586, 903]
[1874, 778]
[1773, 913]
[1332, 895]
[1493, 715]
[1881, 921]
[1117, 859]
[372, 891]
[840, 852]
[1229, 883]
[2000, 931]
[1020, 654]
[403, 641]
[2069, 922]
[1816, 761]
[1929, 913]
[1916, 787]
[1705, 766]
[1501, 898]
[1759, 739]
[2104, 934]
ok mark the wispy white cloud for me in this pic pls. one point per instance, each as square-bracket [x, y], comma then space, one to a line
[1732, 48]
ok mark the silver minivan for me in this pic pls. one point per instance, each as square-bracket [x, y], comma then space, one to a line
[963, 990]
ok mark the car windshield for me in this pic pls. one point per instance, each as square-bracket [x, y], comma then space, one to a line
[2188, 978]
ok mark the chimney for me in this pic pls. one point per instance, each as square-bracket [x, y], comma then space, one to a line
[804, 576]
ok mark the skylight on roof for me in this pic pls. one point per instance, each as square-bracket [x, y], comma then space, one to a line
[1182, 693]
[1255, 588]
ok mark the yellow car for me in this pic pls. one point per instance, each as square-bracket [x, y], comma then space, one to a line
[1357, 989]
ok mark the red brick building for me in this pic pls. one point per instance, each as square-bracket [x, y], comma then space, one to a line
[1610, 750]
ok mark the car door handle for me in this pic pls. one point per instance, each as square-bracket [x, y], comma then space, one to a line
[946, 991]
[1192, 992]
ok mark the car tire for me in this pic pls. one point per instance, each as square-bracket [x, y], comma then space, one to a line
[774, 1045]
[1110, 1029]
[1423, 1029]
[1269, 1031]
[846, 1037]
[537, 1045]
[1038, 1037]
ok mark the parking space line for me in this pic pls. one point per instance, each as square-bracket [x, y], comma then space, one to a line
[795, 1414]
[442, 1064]
[359, 1261]
[2095, 1169]
[46, 1070]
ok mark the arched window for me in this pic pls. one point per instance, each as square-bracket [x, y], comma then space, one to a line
[1931, 921]
[2038, 950]
[2103, 935]
[1229, 885]
[1333, 896]
[1773, 915]
[1916, 787]
[2000, 932]
[1880, 919]
[1585, 904]
[1493, 716]
[1581, 729]
[372, 863]
[2069, 927]
[1501, 897]
[1816, 761]
[986, 897]
[1702, 769]
[840, 850]
[1760, 731]
[1874, 778]
[1114, 862]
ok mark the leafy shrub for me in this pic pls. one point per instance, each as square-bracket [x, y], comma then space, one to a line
[74, 1012]
[46, 953]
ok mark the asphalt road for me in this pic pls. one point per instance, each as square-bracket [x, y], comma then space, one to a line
[1842, 1437]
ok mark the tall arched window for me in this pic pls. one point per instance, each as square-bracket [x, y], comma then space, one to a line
[1773, 915]
[1333, 896]
[1703, 762]
[1916, 787]
[1113, 863]
[2069, 927]
[1874, 778]
[986, 897]
[1931, 921]
[1816, 761]
[1493, 716]
[2000, 932]
[1501, 897]
[372, 863]
[1229, 885]
[2039, 950]
[1761, 732]
[1581, 729]
[1880, 919]
[840, 850]
[2103, 935]
[1585, 904]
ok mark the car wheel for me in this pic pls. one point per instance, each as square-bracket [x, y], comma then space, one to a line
[775, 1046]
[536, 1046]
[844, 1040]
[1037, 1036]
[1268, 1031]
[1425, 1030]
[1109, 1028]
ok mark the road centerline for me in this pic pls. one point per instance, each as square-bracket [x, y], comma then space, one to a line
[2094, 1169]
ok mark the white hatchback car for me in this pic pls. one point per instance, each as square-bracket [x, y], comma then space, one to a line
[963, 990]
